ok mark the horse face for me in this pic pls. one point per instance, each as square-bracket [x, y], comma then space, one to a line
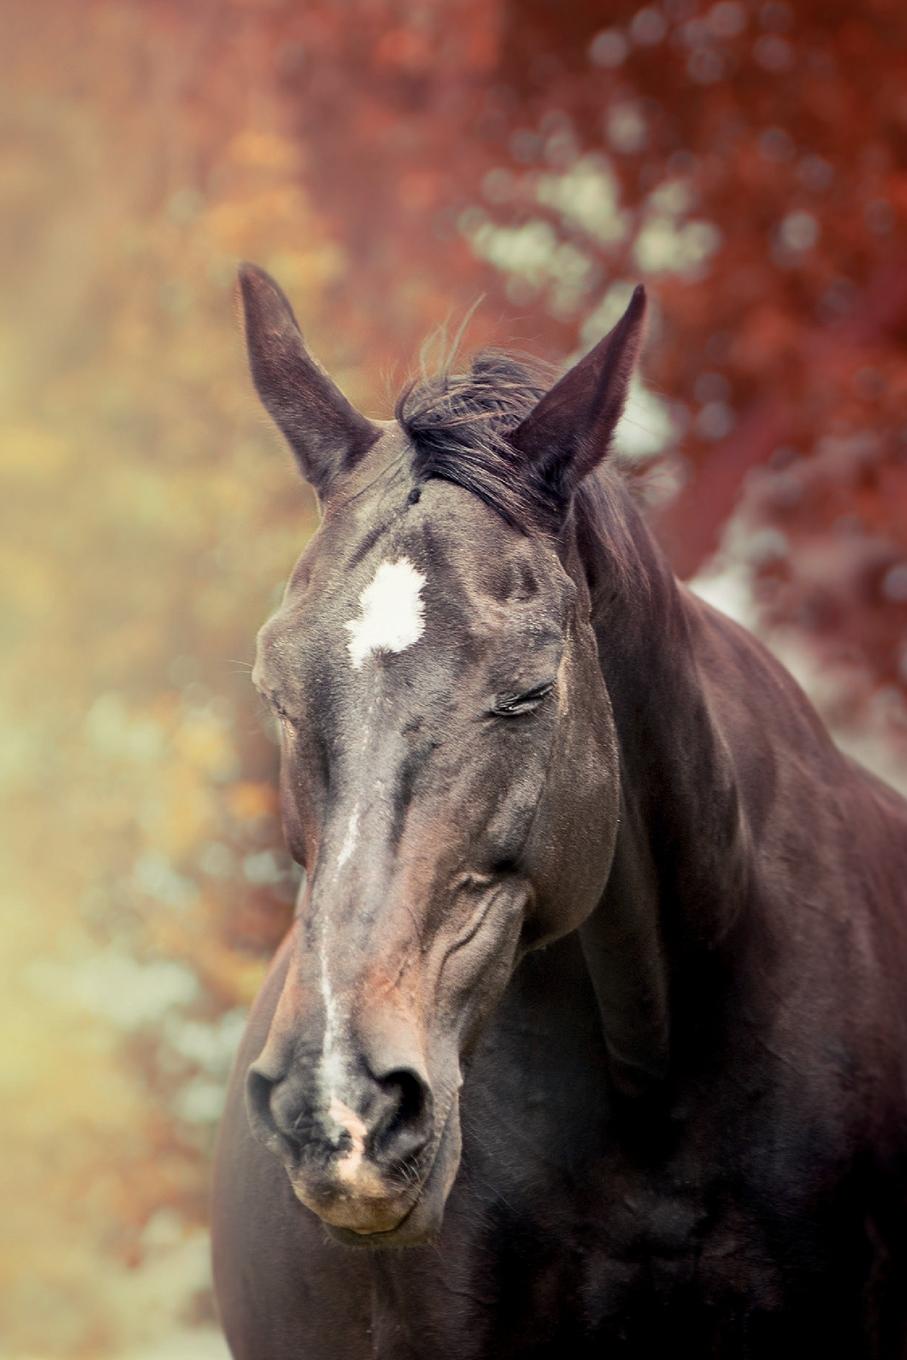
[449, 771]
[448, 761]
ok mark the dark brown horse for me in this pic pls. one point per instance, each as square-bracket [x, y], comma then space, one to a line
[596, 995]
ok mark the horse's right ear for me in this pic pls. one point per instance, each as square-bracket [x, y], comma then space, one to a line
[327, 434]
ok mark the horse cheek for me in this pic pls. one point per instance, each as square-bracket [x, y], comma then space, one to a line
[576, 823]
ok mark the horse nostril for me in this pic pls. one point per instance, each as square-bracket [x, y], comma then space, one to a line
[259, 1088]
[406, 1126]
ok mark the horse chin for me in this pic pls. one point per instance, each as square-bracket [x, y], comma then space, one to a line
[422, 1222]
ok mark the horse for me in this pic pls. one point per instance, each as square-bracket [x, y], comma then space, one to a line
[588, 1036]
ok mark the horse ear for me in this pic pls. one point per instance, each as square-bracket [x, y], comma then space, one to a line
[326, 433]
[569, 431]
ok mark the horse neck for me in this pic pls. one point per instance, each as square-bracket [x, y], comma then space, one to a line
[672, 908]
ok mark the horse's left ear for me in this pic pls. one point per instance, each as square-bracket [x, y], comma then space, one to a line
[326, 433]
[569, 432]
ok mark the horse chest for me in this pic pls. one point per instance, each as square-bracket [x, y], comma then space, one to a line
[553, 1242]
[536, 1270]
[527, 1271]
[556, 1241]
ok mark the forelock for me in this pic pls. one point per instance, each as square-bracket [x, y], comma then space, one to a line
[460, 426]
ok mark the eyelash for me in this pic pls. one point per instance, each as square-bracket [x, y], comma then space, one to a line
[276, 707]
[508, 706]
[513, 706]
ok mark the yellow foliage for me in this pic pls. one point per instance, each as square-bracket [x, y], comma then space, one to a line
[144, 874]
[248, 800]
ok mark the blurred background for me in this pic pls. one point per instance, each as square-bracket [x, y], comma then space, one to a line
[388, 161]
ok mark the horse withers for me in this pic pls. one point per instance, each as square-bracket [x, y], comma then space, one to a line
[595, 999]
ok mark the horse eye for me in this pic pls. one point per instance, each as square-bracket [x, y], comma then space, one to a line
[276, 706]
[512, 705]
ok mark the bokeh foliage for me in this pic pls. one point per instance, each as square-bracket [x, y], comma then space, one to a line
[387, 161]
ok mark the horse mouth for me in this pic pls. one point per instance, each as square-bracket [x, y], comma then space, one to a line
[396, 1236]
[421, 1221]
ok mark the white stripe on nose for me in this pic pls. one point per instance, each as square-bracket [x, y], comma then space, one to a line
[349, 1122]
[349, 840]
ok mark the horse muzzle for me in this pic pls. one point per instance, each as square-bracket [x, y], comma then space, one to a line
[423, 1209]
[360, 1153]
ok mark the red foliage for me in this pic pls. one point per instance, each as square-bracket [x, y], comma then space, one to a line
[782, 129]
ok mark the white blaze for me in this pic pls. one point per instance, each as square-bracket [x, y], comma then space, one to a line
[391, 618]
[391, 612]
[349, 840]
[331, 1068]
[332, 1074]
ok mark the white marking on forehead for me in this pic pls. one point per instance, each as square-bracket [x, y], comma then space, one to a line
[391, 612]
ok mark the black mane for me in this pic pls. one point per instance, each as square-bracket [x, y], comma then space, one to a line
[460, 423]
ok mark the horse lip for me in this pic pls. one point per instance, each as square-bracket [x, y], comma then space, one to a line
[349, 1237]
[364, 1237]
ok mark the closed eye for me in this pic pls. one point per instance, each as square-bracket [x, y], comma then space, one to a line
[513, 705]
[274, 704]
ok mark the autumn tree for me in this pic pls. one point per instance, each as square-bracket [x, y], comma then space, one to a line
[389, 162]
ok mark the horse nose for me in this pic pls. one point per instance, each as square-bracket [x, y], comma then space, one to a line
[281, 1138]
[384, 1116]
[402, 1107]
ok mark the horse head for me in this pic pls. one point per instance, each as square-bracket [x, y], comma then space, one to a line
[449, 766]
